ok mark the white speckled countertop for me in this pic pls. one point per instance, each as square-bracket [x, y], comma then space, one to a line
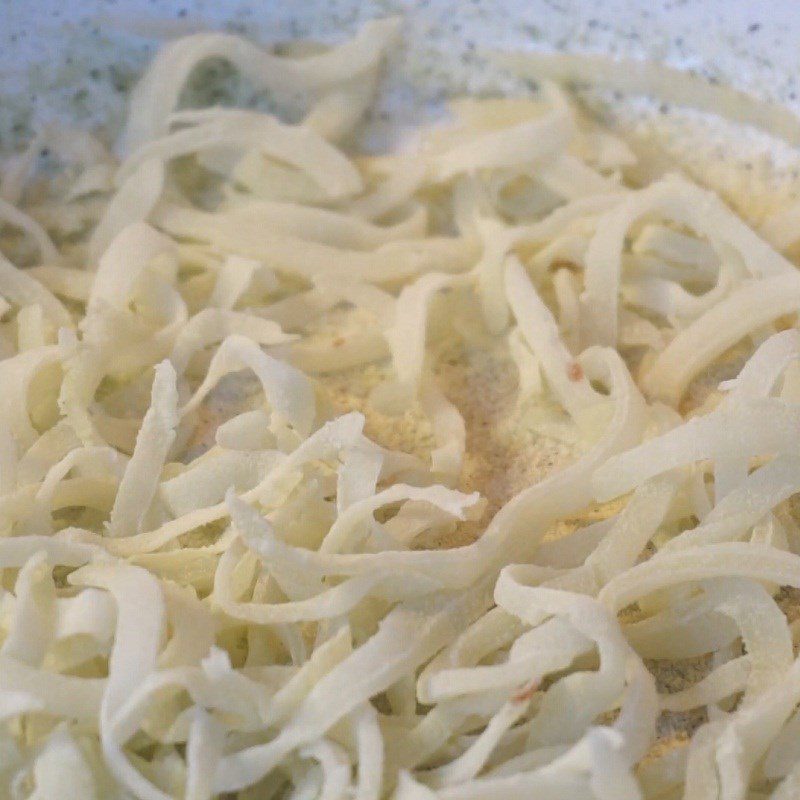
[75, 59]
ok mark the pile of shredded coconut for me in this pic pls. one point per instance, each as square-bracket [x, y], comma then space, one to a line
[250, 546]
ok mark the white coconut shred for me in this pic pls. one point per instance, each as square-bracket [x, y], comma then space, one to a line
[269, 525]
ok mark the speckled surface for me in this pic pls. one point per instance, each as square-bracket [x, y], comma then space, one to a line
[75, 59]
